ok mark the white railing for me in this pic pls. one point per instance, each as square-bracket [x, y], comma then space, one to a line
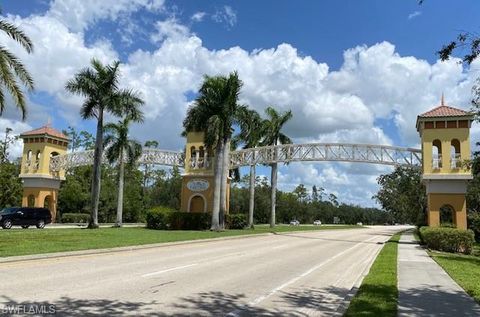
[364, 153]
[455, 161]
[200, 163]
[437, 162]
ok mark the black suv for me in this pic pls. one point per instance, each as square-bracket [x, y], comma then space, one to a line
[25, 217]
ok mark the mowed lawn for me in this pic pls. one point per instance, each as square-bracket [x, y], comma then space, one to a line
[34, 241]
[378, 294]
[464, 269]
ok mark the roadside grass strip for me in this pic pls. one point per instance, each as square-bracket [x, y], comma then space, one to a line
[33, 241]
[378, 294]
[464, 269]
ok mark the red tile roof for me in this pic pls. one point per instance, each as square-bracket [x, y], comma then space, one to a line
[46, 130]
[445, 111]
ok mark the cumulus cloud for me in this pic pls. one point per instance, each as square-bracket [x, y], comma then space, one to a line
[15, 149]
[78, 15]
[374, 82]
[169, 28]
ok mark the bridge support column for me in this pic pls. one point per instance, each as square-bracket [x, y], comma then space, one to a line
[445, 134]
[447, 202]
[198, 180]
[40, 185]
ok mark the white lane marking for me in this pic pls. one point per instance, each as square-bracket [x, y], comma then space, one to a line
[280, 246]
[207, 260]
[295, 279]
[169, 270]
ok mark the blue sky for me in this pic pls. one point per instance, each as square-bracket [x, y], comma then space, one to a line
[351, 71]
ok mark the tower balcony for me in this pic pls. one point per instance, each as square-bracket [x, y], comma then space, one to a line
[455, 161]
[200, 163]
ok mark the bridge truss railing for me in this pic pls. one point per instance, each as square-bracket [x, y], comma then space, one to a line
[365, 153]
[314, 152]
[149, 156]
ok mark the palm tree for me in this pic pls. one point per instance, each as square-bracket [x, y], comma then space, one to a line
[99, 86]
[119, 148]
[272, 135]
[214, 113]
[11, 69]
[250, 134]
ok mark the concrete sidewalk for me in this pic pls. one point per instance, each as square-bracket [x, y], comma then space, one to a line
[425, 289]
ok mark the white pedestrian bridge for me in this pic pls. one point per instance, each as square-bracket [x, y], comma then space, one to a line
[313, 152]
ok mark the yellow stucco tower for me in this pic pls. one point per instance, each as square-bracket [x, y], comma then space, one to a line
[198, 180]
[445, 137]
[40, 186]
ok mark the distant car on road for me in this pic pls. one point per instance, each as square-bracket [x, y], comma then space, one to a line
[317, 223]
[294, 223]
[25, 217]
[359, 224]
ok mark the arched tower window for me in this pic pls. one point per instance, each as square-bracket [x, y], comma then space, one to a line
[29, 155]
[201, 157]
[193, 157]
[36, 164]
[436, 154]
[455, 159]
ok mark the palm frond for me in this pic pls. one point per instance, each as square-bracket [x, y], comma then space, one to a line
[17, 66]
[89, 109]
[7, 78]
[17, 35]
[127, 103]
[134, 151]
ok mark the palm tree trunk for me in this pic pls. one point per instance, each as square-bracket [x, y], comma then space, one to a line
[251, 205]
[121, 177]
[97, 172]
[218, 172]
[273, 180]
[223, 190]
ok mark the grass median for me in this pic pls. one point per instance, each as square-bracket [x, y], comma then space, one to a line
[33, 241]
[464, 269]
[378, 294]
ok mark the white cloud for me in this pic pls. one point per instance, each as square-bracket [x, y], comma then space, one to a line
[374, 82]
[169, 28]
[402, 87]
[198, 16]
[78, 15]
[414, 14]
[15, 149]
[225, 15]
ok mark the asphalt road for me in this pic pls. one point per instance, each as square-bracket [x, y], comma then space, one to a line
[289, 274]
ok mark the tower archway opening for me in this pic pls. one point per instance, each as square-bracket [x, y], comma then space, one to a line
[447, 216]
[455, 156]
[436, 154]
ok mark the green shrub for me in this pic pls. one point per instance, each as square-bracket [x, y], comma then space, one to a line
[474, 224]
[236, 221]
[164, 218]
[448, 239]
[159, 218]
[189, 221]
[75, 218]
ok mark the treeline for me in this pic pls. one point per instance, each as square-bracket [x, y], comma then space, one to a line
[163, 189]
[302, 204]
[146, 188]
